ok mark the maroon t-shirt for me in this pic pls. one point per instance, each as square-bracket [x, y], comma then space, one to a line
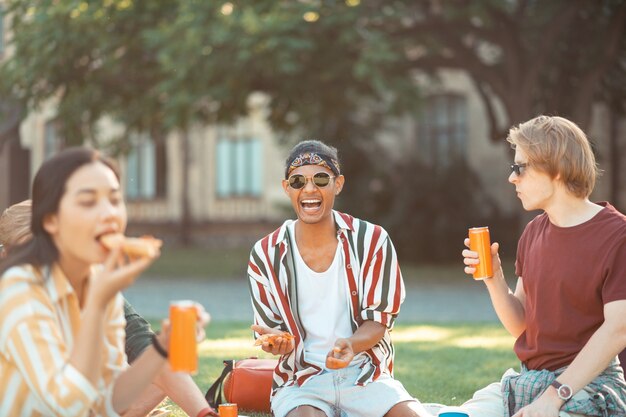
[569, 274]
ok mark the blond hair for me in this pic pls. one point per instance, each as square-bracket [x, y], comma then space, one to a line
[15, 224]
[558, 147]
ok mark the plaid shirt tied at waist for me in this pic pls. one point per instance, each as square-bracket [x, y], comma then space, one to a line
[607, 392]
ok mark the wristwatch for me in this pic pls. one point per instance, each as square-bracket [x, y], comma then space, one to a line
[564, 391]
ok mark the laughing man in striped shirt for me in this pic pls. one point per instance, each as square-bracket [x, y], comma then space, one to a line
[334, 283]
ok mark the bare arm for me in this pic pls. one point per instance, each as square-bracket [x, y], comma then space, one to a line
[89, 345]
[182, 390]
[365, 337]
[134, 380]
[149, 368]
[509, 305]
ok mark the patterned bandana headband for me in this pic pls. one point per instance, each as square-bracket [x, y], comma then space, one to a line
[312, 158]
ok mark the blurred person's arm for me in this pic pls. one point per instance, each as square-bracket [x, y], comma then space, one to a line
[182, 390]
[116, 275]
[178, 386]
[133, 381]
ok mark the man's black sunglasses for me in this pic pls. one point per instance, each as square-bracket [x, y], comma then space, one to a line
[517, 168]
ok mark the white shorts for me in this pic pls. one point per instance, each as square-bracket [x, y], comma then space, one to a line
[335, 394]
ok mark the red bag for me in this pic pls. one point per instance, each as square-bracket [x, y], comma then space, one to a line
[246, 382]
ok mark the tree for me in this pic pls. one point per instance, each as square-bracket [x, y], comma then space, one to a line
[337, 69]
[332, 69]
[321, 60]
[97, 59]
[343, 67]
[163, 66]
[532, 57]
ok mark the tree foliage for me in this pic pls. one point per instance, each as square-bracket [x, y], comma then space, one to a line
[166, 64]
[331, 69]
[323, 63]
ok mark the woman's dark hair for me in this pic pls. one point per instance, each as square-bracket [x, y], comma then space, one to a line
[48, 189]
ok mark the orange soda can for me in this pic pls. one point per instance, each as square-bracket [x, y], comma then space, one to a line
[480, 242]
[228, 410]
[183, 353]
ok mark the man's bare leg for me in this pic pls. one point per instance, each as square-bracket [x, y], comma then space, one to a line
[408, 409]
[306, 411]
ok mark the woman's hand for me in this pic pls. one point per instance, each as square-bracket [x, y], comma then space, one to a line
[118, 273]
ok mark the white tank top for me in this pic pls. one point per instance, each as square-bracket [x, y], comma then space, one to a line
[323, 305]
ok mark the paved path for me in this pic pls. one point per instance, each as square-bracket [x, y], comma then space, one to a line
[228, 300]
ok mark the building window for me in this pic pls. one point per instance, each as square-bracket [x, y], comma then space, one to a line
[146, 170]
[239, 168]
[52, 142]
[442, 133]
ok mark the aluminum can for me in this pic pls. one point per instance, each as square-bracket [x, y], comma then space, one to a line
[183, 353]
[228, 410]
[451, 411]
[480, 242]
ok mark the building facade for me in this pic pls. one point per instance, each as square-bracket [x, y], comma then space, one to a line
[234, 171]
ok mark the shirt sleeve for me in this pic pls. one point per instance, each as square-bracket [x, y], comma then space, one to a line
[384, 286]
[614, 288]
[138, 333]
[32, 341]
[266, 311]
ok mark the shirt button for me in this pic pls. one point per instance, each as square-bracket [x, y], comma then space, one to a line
[353, 292]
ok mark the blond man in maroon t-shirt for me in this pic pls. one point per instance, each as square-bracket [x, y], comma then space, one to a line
[568, 310]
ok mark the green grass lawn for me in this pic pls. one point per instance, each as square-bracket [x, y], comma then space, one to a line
[197, 262]
[436, 363]
[231, 263]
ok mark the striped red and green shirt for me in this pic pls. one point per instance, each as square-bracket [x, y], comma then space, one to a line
[373, 279]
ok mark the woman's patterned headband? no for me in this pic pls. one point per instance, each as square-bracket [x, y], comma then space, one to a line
[312, 158]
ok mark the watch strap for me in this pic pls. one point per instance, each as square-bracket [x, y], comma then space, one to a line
[562, 390]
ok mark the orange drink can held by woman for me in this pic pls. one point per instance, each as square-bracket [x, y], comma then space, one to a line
[480, 242]
[183, 351]
[228, 410]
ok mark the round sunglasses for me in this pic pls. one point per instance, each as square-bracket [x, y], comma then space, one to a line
[298, 181]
